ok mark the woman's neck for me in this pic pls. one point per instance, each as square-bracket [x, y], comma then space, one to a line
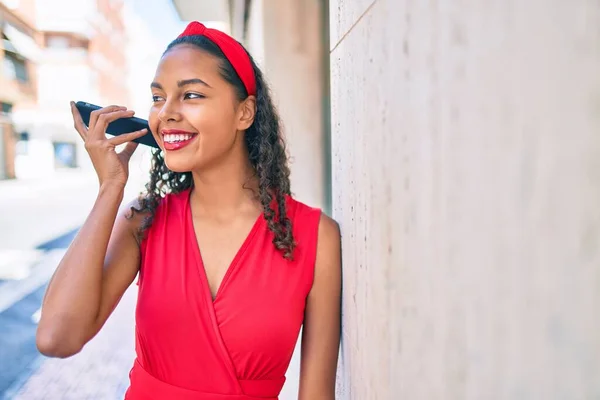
[226, 189]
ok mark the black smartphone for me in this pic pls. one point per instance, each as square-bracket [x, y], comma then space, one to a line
[120, 126]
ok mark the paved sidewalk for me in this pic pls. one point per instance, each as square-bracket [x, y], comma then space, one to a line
[99, 372]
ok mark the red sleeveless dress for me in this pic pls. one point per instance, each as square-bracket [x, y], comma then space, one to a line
[237, 347]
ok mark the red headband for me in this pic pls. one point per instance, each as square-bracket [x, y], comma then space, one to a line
[230, 47]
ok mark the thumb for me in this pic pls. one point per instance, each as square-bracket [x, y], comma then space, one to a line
[127, 152]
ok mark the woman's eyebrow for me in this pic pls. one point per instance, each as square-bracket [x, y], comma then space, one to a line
[191, 82]
[182, 83]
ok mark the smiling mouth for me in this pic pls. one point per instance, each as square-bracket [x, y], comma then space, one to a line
[178, 138]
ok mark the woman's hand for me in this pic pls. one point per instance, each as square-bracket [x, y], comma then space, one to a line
[111, 167]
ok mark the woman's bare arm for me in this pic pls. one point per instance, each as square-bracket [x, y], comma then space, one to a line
[98, 267]
[321, 332]
[103, 259]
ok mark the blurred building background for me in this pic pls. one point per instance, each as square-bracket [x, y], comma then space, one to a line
[457, 145]
[51, 52]
[77, 50]
[18, 78]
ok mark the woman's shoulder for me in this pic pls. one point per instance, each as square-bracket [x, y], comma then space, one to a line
[297, 208]
[317, 236]
[137, 210]
[303, 216]
[157, 204]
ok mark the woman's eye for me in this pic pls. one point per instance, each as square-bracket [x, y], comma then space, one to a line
[193, 96]
[156, 99]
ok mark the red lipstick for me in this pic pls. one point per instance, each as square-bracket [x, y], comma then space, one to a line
[175, 139]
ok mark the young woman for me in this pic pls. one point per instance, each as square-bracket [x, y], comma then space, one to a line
[230, 265]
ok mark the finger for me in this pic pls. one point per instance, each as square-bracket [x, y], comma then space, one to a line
[127, 152]
[95, 114]
[105, 119]
[78, 122]
[128, 137]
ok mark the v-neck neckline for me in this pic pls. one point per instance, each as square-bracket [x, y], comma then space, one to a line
[236, 258]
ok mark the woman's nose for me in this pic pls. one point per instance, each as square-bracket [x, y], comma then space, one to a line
[169, 112]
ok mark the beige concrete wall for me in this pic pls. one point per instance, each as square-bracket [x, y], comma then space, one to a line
[466, 140]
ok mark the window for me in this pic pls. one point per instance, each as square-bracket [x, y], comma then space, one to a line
[15, 68]
[22, 147]
[9, 68]
[65, 155]
[6, 108]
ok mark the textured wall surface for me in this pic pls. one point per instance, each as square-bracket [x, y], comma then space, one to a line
[466, 179]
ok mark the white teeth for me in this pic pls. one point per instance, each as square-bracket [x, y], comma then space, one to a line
[176, 138]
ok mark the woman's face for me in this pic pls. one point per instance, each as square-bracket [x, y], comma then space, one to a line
[195, 117]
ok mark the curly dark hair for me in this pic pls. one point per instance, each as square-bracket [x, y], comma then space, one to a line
[266, 150]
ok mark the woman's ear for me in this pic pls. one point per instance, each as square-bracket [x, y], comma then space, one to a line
[247, 111]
